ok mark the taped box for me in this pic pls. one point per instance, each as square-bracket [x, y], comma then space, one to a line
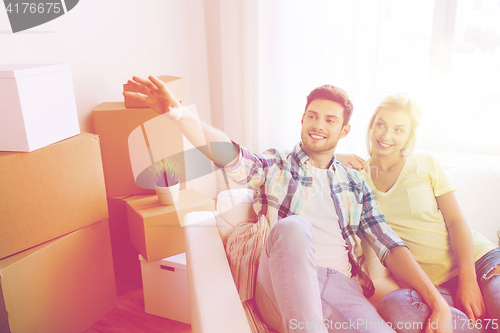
[37, 106]
[50, 192]
[65, 285]
[124, 253]
[138, 134]
[156, 230]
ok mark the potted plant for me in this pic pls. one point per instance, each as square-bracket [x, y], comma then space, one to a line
[167, 183]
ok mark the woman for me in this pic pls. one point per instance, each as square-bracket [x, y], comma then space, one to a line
[418, 201]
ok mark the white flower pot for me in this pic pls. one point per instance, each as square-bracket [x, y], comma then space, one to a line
[168, 195]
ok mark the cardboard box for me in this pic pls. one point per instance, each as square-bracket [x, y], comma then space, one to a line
[37, 106]
[156, 230]
[165, 288]
[64, 285]
[124, 253]
[50, 192]
[175, 84]
[140, 134]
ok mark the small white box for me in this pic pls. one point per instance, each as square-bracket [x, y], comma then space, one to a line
[37, 106]
[165, 287]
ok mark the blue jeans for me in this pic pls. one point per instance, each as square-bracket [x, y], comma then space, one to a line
[406, 308]
[294, 295]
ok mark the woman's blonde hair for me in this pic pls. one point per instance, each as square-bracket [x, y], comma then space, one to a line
[399, 102]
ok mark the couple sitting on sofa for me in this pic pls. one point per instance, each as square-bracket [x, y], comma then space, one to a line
[310, 276]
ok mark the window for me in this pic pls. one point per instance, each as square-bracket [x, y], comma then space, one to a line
[464, 98]
[446, 53]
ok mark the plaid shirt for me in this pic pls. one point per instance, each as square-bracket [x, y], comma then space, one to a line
[281, 182]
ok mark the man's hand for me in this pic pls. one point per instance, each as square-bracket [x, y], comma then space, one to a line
[156, 95]
[470, 300]
[404, 268]
[353, 161]
[440, 319]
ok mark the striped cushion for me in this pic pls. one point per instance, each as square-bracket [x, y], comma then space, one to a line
[243, 250]
[254, 320]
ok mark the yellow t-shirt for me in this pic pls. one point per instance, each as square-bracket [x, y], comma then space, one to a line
[411, 209]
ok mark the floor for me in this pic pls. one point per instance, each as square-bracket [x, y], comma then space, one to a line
[129, 315]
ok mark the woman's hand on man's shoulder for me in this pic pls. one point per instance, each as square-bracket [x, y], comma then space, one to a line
[352, 161]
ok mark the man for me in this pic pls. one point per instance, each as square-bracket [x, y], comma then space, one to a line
[309, 277]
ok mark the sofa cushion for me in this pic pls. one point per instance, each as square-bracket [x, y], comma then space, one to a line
[233, 207]
[477, 191]
[243, 251]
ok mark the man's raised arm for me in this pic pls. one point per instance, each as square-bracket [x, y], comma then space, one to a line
[212, 142]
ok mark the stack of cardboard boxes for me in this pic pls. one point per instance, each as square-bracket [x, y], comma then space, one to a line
[56, 270]
[133, 137]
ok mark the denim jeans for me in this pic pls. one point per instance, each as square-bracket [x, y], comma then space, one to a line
[405, 306]
[294, 295]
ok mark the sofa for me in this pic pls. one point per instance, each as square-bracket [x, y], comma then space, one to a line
[214, 302]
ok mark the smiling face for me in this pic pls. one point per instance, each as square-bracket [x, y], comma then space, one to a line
[390, 132]
[322, 127]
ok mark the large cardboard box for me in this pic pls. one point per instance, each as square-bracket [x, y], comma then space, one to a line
[174, 84]
[124, 253]
[156, 230]
[37, 106]
[50, 192]
[165, 288]
[64, 285]
[140, 134]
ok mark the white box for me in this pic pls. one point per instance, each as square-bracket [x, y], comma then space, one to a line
[165, 287]
[37, 106]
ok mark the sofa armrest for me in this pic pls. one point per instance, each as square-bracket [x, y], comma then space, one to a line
[214, 301]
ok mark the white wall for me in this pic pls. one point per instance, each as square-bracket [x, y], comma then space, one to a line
[107, 42]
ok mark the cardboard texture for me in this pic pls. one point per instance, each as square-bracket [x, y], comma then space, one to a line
[165, 288]
[50, 192]
[124, 253]
[175, 84]
[64, 285]
[121, 130]
[154, 140]
[38, 106]
[156, 230]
